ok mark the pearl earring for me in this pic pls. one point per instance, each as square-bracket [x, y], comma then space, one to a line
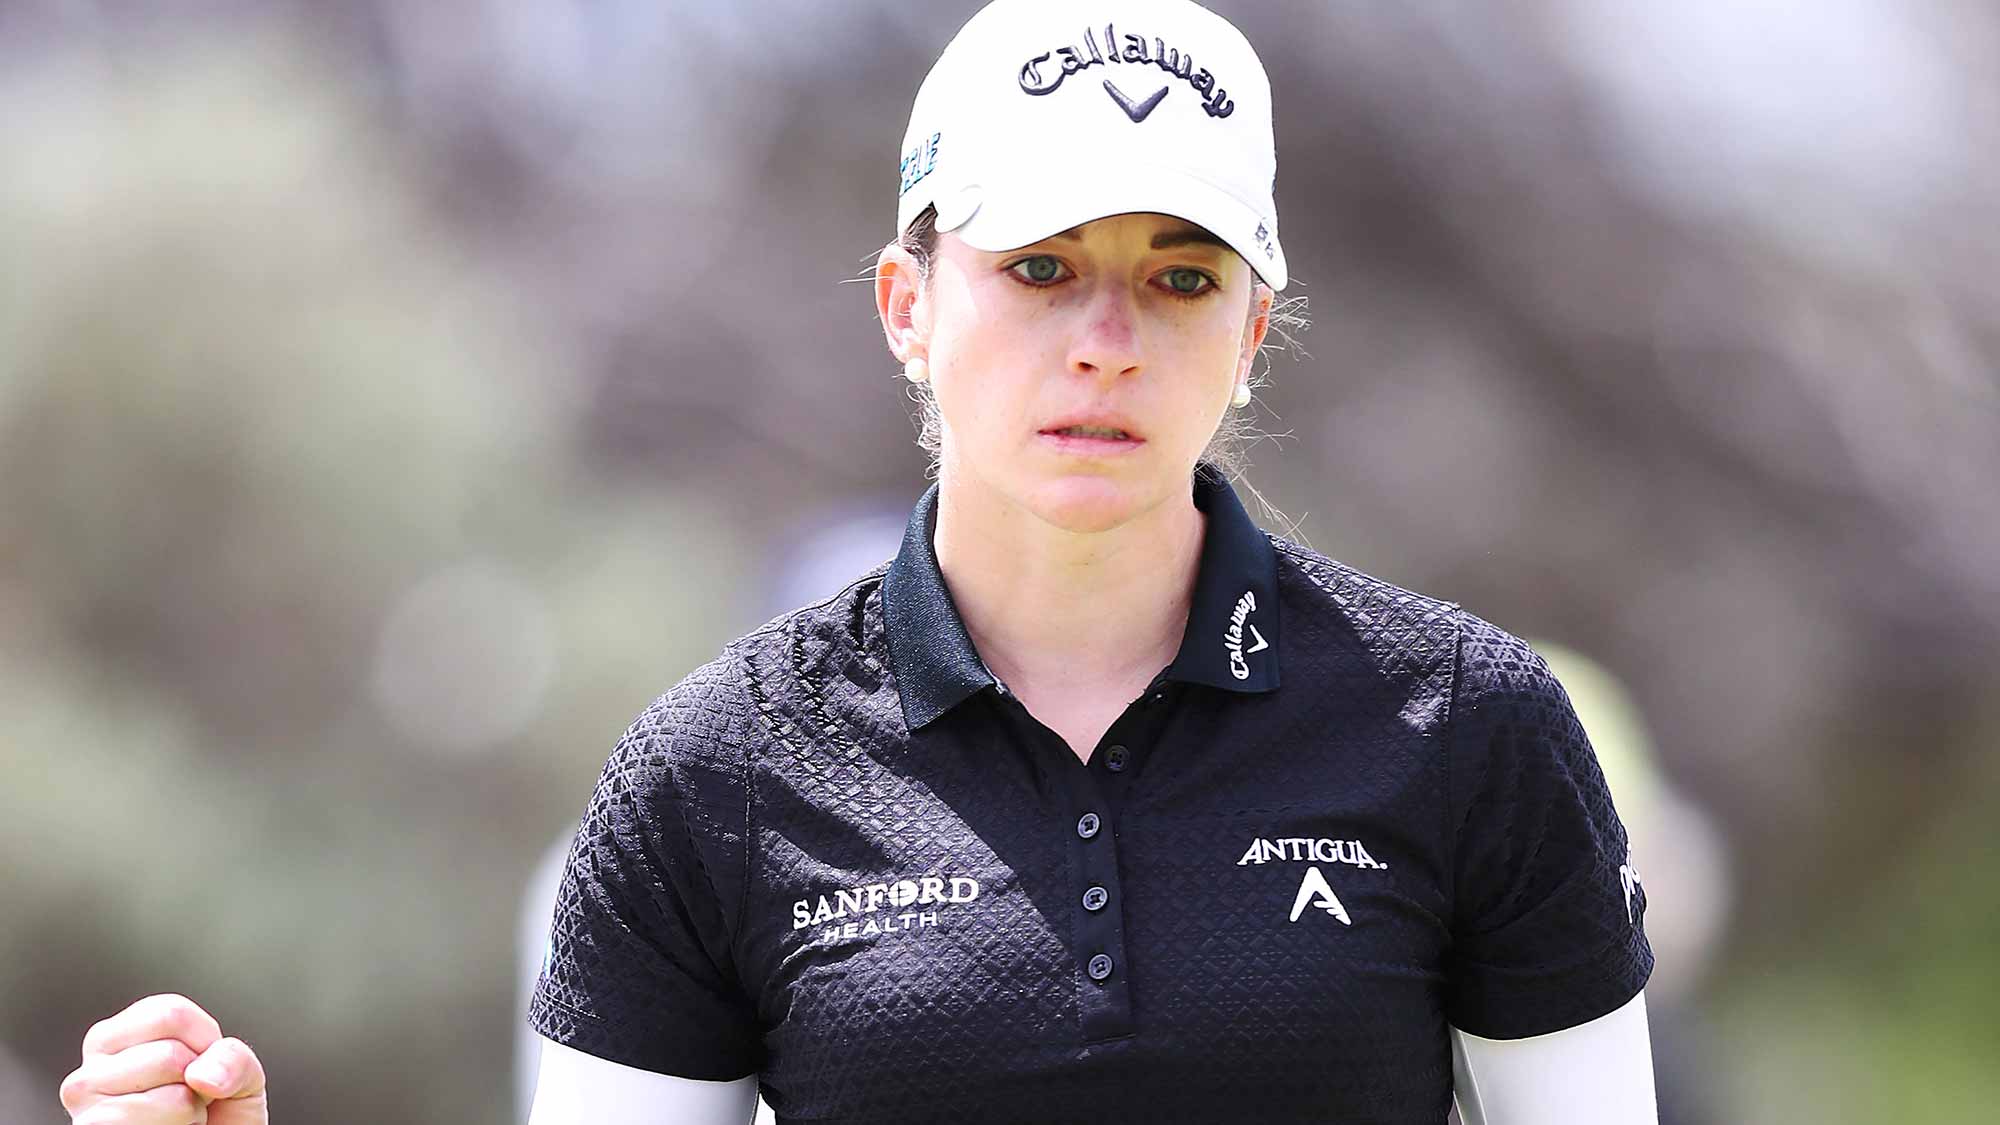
[1242, 395]
[917, 370]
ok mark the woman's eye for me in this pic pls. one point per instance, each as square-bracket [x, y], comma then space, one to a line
[1187, 282]
[1040, 270]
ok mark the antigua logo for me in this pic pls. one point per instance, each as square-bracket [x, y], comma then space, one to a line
[1136, 49]
[1314, 889]
[1320, 850]
[1232, 638]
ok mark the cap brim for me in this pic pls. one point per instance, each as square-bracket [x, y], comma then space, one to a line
[998, 216]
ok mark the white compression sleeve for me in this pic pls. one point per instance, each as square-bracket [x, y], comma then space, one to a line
[575, 1088]
[1596, 1073]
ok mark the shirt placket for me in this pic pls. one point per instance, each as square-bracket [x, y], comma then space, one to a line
[1091, 799]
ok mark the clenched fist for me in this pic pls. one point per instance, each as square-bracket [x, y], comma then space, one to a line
[164, 1061]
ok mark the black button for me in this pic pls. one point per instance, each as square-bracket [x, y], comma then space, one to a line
[1116, 757]
[1086, 825]
[1094, 898]
[1099, 967]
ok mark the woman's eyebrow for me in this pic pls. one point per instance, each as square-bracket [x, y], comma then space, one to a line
[1166, 239]
[1187, 236]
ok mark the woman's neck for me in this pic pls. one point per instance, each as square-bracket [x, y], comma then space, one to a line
[1059, 609]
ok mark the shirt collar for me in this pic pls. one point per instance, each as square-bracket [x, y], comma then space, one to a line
[1231, 640]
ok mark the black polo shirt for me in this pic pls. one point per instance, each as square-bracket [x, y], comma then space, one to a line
[842, 857]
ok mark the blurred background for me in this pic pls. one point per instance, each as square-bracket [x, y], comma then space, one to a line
[395, 397]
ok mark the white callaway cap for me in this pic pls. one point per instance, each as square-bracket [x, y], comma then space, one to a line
[1042, 115]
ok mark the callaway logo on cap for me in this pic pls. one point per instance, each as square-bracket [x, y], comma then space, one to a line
[1042, 115]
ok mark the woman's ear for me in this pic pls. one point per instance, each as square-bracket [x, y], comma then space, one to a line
[899, 299]
[1256, 325]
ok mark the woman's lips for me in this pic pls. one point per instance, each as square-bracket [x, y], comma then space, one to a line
[1089, 444]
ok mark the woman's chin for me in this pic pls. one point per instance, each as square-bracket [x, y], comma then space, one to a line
[1086, 502]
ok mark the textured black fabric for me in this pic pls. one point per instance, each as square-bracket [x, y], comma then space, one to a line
[841, 857]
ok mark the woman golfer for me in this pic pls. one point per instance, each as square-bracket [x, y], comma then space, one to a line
[1096, 803]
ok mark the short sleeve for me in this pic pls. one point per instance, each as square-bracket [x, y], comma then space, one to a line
[639, 967]
[1548, 915]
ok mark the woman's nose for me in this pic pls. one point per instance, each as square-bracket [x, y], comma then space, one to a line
[1106, 342]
